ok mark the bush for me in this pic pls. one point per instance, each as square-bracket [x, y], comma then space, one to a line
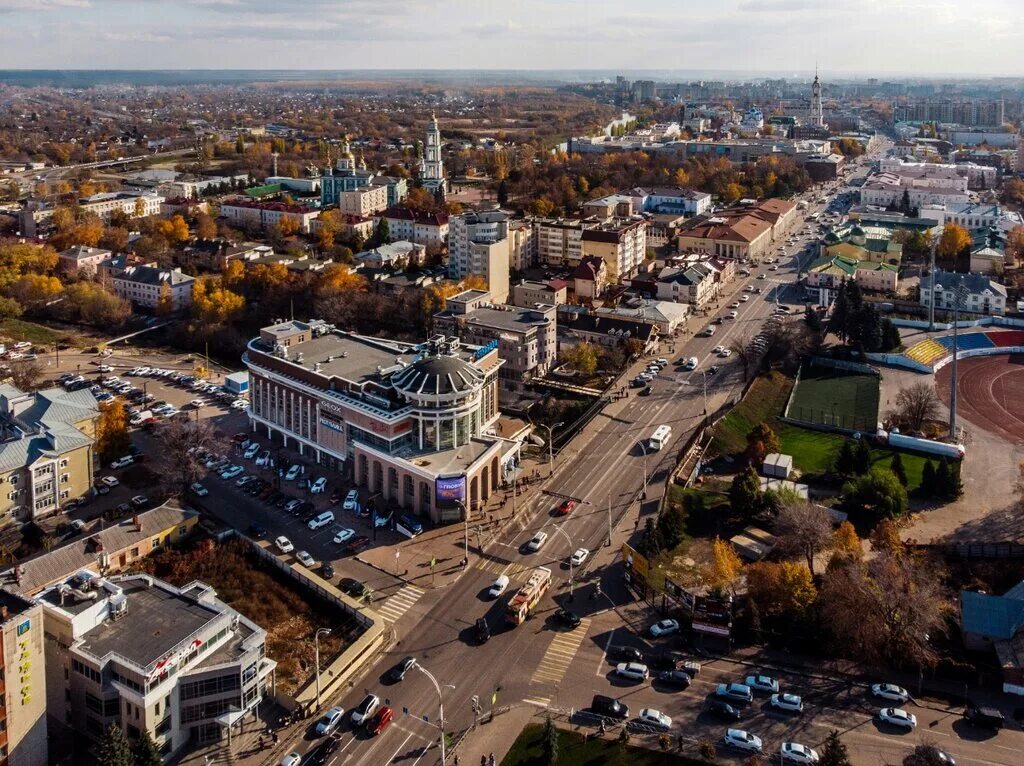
[707, 750]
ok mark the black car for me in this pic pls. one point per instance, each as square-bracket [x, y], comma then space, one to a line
[303, 509]
[327, 571]
[483, 630]
[723, 709]
[123, 508]
[645, 391]
[985, 717]
[663, 660]
[352, 587]
[674, 678]
[399, 671]
[609, 707]
[101, 489]
[255, 530]
[625, 654]
[569, 619]
[283, 501]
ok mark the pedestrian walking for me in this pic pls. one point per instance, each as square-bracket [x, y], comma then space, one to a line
[680, 742]
[490, 761]
[483, 760]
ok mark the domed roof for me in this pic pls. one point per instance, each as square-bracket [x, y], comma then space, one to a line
[440, 374]
[831, 237]
[856, 231]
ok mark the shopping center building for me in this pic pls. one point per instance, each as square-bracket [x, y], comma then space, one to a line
[415, 423]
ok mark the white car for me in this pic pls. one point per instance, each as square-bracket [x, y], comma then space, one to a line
[197, 404]
[733, 314]
[762, 684]
[537, 542]
[330, 720]
[110, 481]
[725, 353]
[579, 556]
[365, 709]
[890, 692]
[318, 486]
[305, 559]
[790, 703]
[231, 472]
[284, 544]
[734, 305]
[744, 298]
[664, 628]
[293, 473]
[251, 451]
[239, 404]
[896, 716]
[718, 349]
[122, 462]
[104, 368]
[344, 535]
[794, 752]
[264, 458]
[351, 500]
[654, 718]
[742, 740]
[199, 490]
[292, 759]
[634, 671]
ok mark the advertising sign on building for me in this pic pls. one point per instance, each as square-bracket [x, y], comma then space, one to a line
[712, 615]
[451, 489]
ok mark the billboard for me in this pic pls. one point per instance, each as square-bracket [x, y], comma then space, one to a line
[712, 615]
[450, 489]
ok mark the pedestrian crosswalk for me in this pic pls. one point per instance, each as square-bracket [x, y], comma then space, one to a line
[501, 567]
[395, 606]
[560, 655]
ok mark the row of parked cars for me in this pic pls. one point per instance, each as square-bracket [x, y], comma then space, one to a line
[191, 382]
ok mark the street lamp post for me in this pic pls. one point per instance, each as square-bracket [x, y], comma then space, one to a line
[644, 448]
[465, 518]
[316, 649]
[564, 534]
[551, 446]
[959, 295]
[440, 705]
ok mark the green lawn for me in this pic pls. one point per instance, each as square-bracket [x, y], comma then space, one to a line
[19, 329]
[528, 750]
[814, 454]
[764, 401]
[716, 507]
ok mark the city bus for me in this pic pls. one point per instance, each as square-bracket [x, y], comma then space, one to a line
[660, 437]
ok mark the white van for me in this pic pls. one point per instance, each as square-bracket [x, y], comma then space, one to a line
[322, 520]
[498, 587]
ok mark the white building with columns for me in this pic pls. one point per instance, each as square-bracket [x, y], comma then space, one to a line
[431, 164]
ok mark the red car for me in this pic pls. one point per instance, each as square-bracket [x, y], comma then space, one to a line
[380, 721]
[357, 544]
[566, 507]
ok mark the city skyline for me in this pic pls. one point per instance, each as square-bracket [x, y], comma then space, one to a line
[739, 36]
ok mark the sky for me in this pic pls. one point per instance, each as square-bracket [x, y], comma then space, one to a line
[922, 37]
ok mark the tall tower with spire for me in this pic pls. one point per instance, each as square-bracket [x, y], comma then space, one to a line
[431, 164]
[817, 112]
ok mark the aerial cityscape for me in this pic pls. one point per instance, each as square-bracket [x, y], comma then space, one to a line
[536, 384]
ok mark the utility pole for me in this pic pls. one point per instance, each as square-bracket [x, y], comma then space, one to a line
[609, 518]
[959, 293]
[931, 277]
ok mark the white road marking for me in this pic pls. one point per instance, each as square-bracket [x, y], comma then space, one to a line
[392, 758]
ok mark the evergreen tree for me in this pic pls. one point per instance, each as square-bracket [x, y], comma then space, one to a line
[905, 202]
[942, 483]
[862, 457]
[928, 479]
[839, 320]
[891, 340]
[652, 540]
[834, 752]
[896, 466]
[846, 462]
[550, 742]
[671, 527]
[145, 751]
[745, 493]
[383, 232]
[812, 319]
[503, 193]
[113, 748]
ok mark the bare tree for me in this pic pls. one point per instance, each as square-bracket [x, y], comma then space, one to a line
[178, 461]
[25, 374]
[746, 354]
[915, 405]
[885, 610]
[803, 529]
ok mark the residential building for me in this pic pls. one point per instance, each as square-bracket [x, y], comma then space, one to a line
[138, 653]
[670, 199]
[479, 245]
[522, 246]
[394, 255]
[23, 724]
[589, 278]
[409, 421]
[728, 234]
[620, 242]
[105, 548]
[183, 206]
[364, 227]
[431, 165]
[250, 214]
[526, 338]
[916, 187]
[364, 201]
[825, 168]
[558, 240]
[973, 216]
[427, 229]
[693, 283]
[81, 259]
[37, 217]
[982, 294]
[143, 286]
[46, 450]
[667, 316]
[527, 294]
[215, 254]
[612, 332]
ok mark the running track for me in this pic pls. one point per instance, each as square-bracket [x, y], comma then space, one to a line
[990, 394]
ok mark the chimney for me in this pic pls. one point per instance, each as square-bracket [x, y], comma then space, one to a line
[136, 522]
[3, 613]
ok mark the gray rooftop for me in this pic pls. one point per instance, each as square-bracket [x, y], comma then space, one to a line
[350, 357]
[41, 424]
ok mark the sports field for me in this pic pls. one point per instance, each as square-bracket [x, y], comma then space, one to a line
[836, 398]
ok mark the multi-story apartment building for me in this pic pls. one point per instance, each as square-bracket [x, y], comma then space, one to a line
[981, 294]
[410, 421]
[978, 176]
[528, 294]
[522, 251]
[620, 243]
[981, 113]
[364, 201]
[479, 245]
[526, 338]
[23, 729]
[134, 652]
[427, 229]
[46, 450]
[243, 212]
[81, 259]
[692, 283]
[144, 285]
[37, 217]
[558, 240]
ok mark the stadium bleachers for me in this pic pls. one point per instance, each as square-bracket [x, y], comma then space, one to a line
[1005, 338]
[927, 352]
[966, 341]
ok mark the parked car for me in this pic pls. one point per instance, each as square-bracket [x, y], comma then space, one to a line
[110, 481]
[352, 587]
[292, 759]
[305, 559]
[634, 671]
[625, 654]
[318, 486]
[257, 531]
[793, 752]
[293, 473]
[284, 545]
[344, 535]
[231, 472]
[351, 500]
[380, 721]
[609, 707]
[264, 458]
[251, 451]
[765, 684]
[139, 502]
[329, 721]
[723, 709]
[321, 520]
[655, 719]
[742, 740]
[357, 544]
[399, 671]
[789, 703]
[122, 462]
[734, 692]
[199, 490]
[664, 628]
[675, 678]
[890, 692]
[986, 717]
[899, 717]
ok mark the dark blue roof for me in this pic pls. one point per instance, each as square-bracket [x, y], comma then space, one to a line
[996, 617]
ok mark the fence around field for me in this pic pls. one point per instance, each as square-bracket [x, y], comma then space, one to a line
[845, 365]
[830, 420]
[804, 413]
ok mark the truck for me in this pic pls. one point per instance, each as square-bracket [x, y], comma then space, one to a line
[528, 596]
